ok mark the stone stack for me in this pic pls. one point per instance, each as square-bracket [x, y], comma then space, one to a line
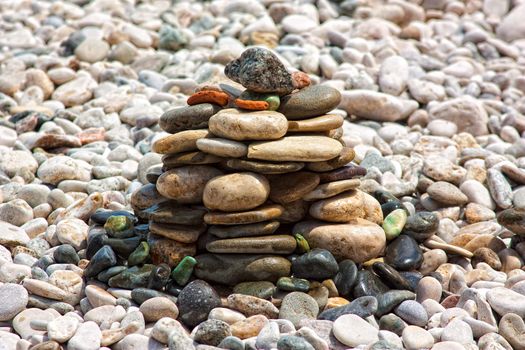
[237, 183]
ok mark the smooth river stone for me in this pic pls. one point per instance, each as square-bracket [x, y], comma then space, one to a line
[352, 331]
[183, 141]
[222, 147]
[332, 189]
[165, 250]
[188, 118]
[321, 123]
[264, 167]
[274, 244]
[358, 240]
[232, 269]
[249, 230]
[189, 158]
[179, 233]
[346, 156]
[513, 220]
[292, 187]
[236, 125]
[344, 173]
[309, 102]
[373, 105]
[404, 254]
[186, 184]
[347, 206]
[236, 192]
[296, 149]
[264, 213]
[260, 70]
[170, 212]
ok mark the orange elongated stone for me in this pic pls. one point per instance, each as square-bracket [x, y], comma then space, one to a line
[252, 105]
[209, 96]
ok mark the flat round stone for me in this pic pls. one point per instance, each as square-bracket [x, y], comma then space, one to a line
[189, 158]
[257, 229]
[310, 102]
[358, 240]
[275, 244]
[236, 192]
[186, 184]
[237, 125]
[352, 331]
[264, 167]
[231, 269]
[332, 189]
[170, 212]
[317, 124]
[260, 214]
[222, 147]
[188, 118]
[296, 149]
[513, 219]
[183, 141]
[346, 156]
[347, 206]
[347, 172]
[179, 233]
[291, 187]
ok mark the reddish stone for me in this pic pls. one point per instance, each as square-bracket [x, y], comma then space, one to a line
[208, 96]
[91, 135]
[300, 80]
[49, 141]
[164, 250]
[252, 105]
[27, 123]
[450, 301]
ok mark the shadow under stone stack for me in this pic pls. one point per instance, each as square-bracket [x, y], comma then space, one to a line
[236, 183]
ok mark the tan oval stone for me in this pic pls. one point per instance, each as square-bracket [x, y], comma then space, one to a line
[249, 327]
[321, 123]
[179, 233]
[237, 125]
[347, 206]
[359, 240]
[183, 141]
[223, 147]
[236, 192]
[346, 156]
[332, 189]
[186, 184]
[296, 149]
[432, 260]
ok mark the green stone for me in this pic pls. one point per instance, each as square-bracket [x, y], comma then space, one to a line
[105, 275]
[139, 255]
[259, 289]
[134, 277]
[273, 100]
[302, 244]
[119, 226]
[394, 223]
[292, 284]
[182, 272]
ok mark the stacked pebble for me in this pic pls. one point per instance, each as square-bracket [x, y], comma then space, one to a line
[234, 181]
